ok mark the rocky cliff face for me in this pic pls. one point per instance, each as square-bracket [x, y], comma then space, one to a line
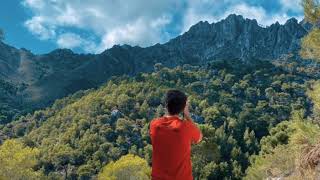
[47, 77]
[236, 37]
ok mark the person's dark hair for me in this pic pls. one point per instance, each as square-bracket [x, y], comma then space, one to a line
[175, 101]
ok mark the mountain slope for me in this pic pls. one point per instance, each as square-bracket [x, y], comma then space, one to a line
[235, 101]
[48, 77]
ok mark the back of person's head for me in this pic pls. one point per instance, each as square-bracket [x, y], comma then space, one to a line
[175, 101]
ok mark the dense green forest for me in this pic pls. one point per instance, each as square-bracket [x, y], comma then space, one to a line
[235, 103]
[10, 107]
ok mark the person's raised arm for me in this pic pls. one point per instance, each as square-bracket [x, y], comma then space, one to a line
[196, 135]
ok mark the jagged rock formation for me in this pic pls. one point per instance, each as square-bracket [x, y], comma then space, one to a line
[46, 77]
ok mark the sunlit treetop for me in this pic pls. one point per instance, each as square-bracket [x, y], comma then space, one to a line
[310, 47]
[312, 11]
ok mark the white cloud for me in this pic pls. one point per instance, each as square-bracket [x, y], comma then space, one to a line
[115, 22]
[36, 4]
[138, 22]
[71, 40]
[138, 32]
[291, 5]
[257, 13]
[38, 28]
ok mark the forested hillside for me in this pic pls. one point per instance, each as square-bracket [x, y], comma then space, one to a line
[235, 102]
[292, 150]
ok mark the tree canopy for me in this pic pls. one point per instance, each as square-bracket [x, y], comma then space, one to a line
[128, 167]
[310, 43]
[18, 161]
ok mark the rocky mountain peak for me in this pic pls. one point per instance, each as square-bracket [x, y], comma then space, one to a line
[201, 26]
[234, 18]
[293, 21]
[61, 52]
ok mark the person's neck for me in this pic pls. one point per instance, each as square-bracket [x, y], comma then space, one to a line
[170, 115]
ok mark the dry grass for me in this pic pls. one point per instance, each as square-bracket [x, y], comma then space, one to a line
[309, 162]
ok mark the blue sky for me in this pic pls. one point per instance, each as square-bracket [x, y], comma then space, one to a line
[91, 26]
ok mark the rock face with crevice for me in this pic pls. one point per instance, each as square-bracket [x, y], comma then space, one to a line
[41, 79]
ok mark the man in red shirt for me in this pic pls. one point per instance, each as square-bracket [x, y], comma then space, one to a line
[171, 139]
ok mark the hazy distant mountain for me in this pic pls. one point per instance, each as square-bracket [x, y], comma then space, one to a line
[43, 78]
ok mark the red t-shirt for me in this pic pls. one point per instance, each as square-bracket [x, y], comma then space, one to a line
[171, 140]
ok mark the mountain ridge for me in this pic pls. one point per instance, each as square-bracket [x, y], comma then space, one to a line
[47, 77]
